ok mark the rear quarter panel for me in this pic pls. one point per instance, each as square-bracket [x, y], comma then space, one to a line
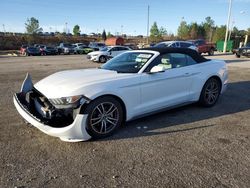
[205, 71]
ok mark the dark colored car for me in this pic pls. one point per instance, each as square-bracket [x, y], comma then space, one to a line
[33, 51]
[49, 50]
[65, 48]
[243, 51]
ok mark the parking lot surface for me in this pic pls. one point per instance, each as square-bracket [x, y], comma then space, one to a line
[187, 147]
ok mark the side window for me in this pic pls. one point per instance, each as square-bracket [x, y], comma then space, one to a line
[114, 49]
[171, 61]
[190, 60]
[178, 60]
[185, 45]
[122, 48]
[162, 60]
[173, 45]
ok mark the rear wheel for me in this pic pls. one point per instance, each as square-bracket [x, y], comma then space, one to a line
[105, 115]
[102, 59]
[210, 92]
[211, 52]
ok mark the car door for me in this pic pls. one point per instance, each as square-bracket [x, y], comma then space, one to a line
[114, 51]
[168, 88]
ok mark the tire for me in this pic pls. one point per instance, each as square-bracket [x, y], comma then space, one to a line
[105, 116]
[102, 59]
[210, 92]
[237, 55]
[211, 52]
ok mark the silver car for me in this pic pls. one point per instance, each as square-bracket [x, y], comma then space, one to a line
[176, 44]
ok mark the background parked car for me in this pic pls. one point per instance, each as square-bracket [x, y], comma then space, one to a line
[105, 53]
[96, 45]
[204, 47]
[176, 44]
[49, 50]
[84, 50]
[243, 51]
[33, 51]
[23, 49]
[65, 48]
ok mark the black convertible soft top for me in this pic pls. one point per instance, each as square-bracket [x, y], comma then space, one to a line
[192, 53]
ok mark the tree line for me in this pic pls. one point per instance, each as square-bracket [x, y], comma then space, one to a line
[206, 30]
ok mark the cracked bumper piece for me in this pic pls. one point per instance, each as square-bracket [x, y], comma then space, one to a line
[72, 133]
[67, 129]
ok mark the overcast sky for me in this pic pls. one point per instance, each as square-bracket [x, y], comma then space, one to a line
[128, 16]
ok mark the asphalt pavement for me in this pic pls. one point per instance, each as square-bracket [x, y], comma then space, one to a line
[187, 147]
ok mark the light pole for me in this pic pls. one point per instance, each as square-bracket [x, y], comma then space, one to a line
[121, 30]
[228, 22]
[230, 32]
[66, 28]
[148, 26]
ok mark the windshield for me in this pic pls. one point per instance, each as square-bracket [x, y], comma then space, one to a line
[163, 44]
[68, 45]
[104, 49]
[130, 62]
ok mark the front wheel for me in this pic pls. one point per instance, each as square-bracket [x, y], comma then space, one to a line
[105, 115]
[210, 92]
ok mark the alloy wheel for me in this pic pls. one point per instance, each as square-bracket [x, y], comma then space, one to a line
[104, 118]
[212, 92]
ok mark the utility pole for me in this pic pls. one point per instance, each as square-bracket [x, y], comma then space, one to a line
[148, 26]
[121, 30]
[66, 27]
[4, 29]
[228, 22]
[230, 32]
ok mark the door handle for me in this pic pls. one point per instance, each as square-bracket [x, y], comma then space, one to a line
[187, 74]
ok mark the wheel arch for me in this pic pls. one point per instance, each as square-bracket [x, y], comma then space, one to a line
[217, 78]
[124, 109]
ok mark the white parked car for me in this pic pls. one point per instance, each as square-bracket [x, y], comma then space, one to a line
[177, 44]
[77, 105]
[107, 52]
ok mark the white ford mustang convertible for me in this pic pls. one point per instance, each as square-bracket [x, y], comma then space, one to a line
[77, 105]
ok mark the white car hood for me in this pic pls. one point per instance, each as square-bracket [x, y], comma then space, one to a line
[70, 83]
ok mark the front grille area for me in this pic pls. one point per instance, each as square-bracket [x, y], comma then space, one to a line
[39, 107]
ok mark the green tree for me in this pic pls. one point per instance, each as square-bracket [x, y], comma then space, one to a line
[248, 31]
[154, 31]
[76, 30]
[104, 36]
[208, 26]
[193, 30]
[155, 34]
[219, 33]
[183, 30]
[32, 26]
[163, 31]
[201, 32]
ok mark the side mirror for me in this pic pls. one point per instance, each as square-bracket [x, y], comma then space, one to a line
[156, 69]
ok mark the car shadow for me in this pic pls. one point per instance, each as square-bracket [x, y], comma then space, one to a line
[235, 99]
[237, 60]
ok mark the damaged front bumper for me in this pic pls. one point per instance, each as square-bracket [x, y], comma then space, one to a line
[70, 131]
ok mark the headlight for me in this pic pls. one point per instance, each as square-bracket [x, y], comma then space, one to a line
[69, 102]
